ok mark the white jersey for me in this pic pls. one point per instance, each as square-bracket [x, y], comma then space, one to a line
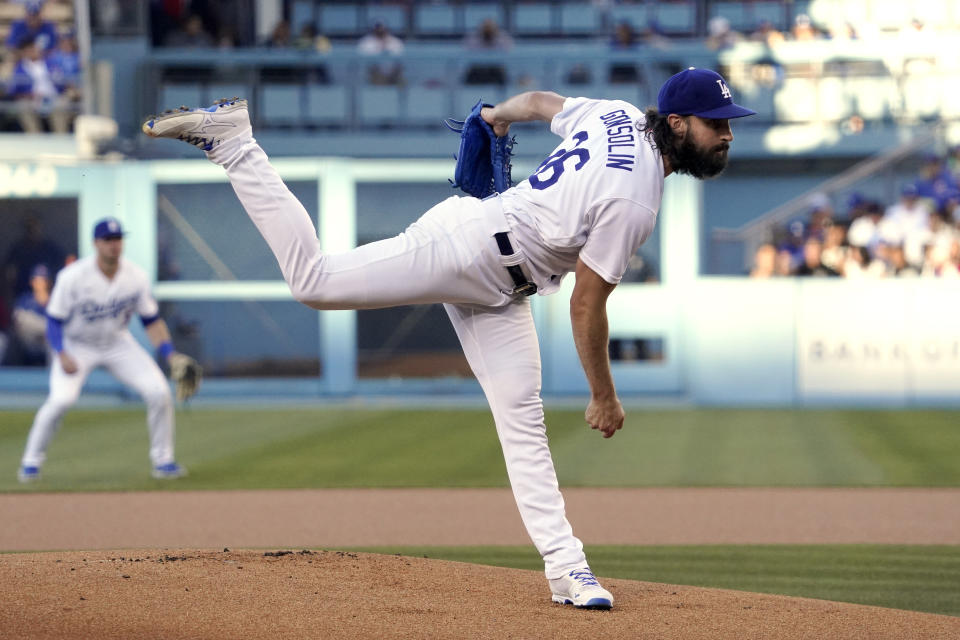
[595, 197]
[95, 310]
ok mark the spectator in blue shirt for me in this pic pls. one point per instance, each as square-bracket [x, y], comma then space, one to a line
[35, 87]
[33, 28]
[30, 319]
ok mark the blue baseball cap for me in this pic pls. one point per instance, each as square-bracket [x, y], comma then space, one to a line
[699, 92]
[108, 228]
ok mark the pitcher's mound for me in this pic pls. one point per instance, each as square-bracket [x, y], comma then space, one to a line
[330, 594]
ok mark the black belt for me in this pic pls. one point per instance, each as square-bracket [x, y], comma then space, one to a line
[523, 286]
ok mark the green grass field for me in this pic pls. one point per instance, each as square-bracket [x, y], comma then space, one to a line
[338, 447]
[348, 447]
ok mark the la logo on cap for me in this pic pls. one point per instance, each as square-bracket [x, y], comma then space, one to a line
[113, 226]
[724, 90]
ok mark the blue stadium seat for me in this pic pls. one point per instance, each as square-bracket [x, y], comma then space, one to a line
[328, 105]
[435, 20]
[772, 12]
[533, 19]
[427, 105]
[175, 95]
[735, 12]
[578, 19]
[678, 18]
[637, 15]
[217, 91]
[378, 105]
[465, 97]
[301, 14]
[280, 104]
[340, 19]
[475, 14]
[394, 17]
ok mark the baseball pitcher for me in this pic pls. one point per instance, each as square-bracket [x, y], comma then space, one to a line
[88, 315]
[587, 209]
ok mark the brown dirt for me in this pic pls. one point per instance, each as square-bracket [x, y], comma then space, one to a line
[148, 593]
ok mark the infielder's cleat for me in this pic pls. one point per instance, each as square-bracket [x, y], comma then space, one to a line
[168, 471]
[28, 473]
[581, 589]
[205, 128]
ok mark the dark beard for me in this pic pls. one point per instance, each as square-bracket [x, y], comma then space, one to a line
[686, 157]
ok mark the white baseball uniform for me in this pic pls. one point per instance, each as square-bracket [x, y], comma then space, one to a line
[96, 311]
[595, 197]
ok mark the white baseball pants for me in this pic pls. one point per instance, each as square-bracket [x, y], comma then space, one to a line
[127, 361]
[448, 256]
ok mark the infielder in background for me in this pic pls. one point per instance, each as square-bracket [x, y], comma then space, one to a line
[586, 209]
[88, 315]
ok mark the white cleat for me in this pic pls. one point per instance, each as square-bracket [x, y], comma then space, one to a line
[581, 589]
[204, 128]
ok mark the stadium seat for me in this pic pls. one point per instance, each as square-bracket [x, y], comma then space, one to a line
[475, 14]
[533, 19]
[735, 12]
[301, 14]
[465, 97]
[378, 105]
[339, 20]
[280, 104]
[217, 91]
[392, 16]
[873, 96]
[636, 14]
[578, 19]
[677, 18]
[435, 20]
[174, 95]
[328, 105]
[833, 102]
[427, 105]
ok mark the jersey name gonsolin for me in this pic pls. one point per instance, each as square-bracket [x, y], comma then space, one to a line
[620, 133]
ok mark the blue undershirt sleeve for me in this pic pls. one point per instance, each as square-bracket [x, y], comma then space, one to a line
[55, 333]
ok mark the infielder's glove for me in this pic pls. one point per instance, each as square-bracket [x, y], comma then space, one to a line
[483, 161]
[186, 374]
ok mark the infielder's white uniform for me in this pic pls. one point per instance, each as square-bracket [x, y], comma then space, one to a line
[96, 312]
[595, 198]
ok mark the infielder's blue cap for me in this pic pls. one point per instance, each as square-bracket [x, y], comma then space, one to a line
[108, 228]
[699, 92]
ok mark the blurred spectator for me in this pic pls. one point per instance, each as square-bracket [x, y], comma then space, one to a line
[64, 64]
[834, 252]
[812, 264]
[784, 265]
[792, 244]
[865, 228]
[191, 34]
[33, 29]
[767, 34]
[935, 178]
[907, 223]
[821, 216]
[34, 87]
[897, 265]
[380, 42]
[803, 28]
[859, 264]
[764, 262]
[31, 249]
[720, 35]
[941, 260]
[309, 40]
[280, 37]
[487, 37]
[30, 321]
[624, 38]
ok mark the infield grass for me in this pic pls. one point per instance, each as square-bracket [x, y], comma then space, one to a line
[347, 447]
[919, 578]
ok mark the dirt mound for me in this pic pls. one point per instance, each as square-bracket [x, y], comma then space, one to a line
[327, 594]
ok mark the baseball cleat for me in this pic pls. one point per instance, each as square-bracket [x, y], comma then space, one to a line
[581, 589]
[168, 471]
[28, 473]
[204, 128]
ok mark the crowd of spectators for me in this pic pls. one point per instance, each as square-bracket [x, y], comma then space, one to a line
[40, 81]
[917, 235]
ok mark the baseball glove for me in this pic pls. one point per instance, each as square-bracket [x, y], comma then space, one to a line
[483, 161]
[186, 374]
